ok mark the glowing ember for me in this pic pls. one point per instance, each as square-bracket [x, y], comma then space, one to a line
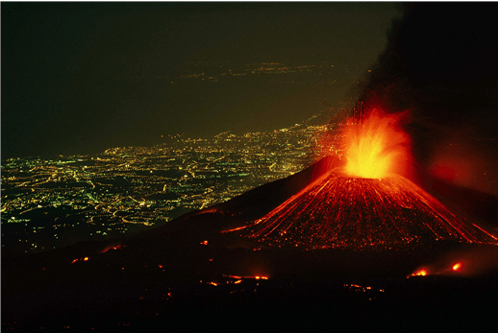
[420, 272]
[457, 267]
[255, 277]
[376, 147]
[423, 272]
[84, 259]
[117, 247]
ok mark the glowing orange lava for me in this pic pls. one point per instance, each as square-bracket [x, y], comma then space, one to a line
[420, 272]
[375, 147]
[457, 267]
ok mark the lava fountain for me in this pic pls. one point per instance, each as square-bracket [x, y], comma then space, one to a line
[369, 203]
[375, 147]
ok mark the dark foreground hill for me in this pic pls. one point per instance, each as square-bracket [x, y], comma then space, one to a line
[188, 275]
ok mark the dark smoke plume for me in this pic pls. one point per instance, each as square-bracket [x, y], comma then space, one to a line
[441, 65]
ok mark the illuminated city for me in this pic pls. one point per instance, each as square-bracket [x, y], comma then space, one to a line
[47, 203]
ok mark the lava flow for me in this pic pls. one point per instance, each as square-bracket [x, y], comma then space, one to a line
[368, 203]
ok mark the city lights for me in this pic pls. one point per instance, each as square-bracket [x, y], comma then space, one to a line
[132, 188]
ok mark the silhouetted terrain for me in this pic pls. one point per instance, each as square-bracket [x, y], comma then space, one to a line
[187, 274]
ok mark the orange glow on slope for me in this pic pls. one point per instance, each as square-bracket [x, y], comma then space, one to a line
[84, 259]
[487, 233]
[255, 277]
[110, 247]
[376, 147]
[420, 272]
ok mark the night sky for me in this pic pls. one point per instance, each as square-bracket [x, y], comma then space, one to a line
[79, 78]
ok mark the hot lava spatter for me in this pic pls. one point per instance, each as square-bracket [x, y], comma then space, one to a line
[375, 147]
[368, 203]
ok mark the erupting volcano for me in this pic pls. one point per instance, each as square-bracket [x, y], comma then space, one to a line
[368, 202]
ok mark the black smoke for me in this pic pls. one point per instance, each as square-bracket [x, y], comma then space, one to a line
[441, 64]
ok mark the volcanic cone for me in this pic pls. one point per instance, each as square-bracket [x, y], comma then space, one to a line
[368, 203]
[337, 211]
